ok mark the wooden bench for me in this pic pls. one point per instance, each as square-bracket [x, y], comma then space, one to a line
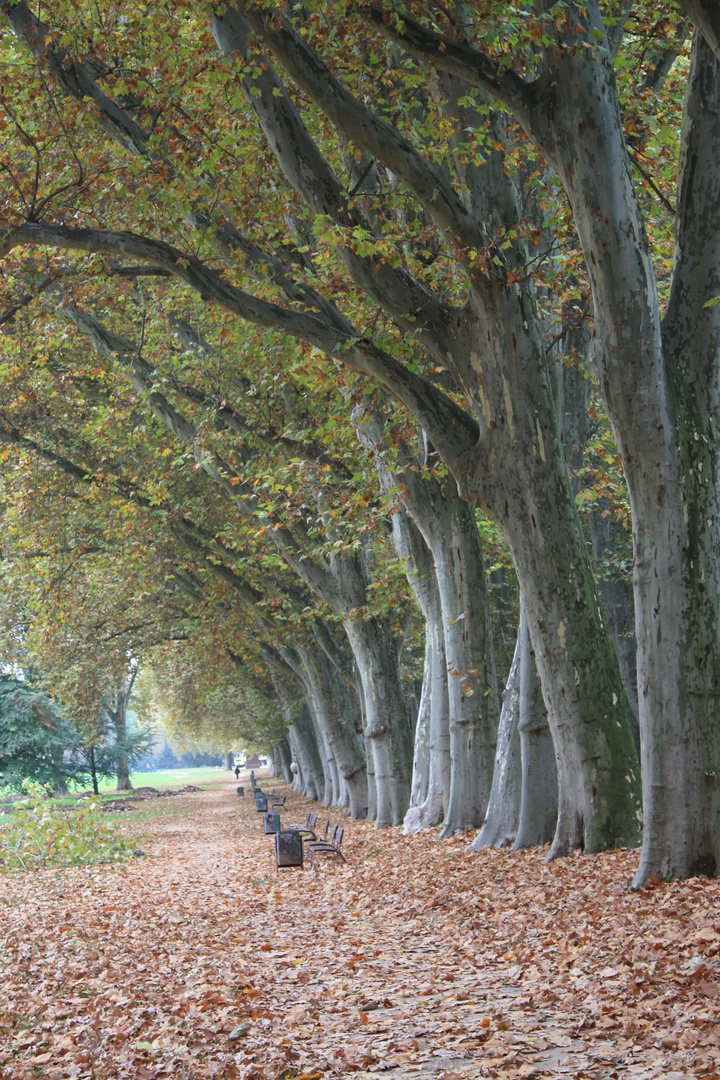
[327, 847]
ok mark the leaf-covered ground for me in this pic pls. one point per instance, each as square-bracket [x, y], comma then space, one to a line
[416, 959]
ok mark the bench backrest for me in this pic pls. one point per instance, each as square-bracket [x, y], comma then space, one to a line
[338, 836]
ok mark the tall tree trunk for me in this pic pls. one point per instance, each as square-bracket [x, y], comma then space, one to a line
[301, 737]
[539, 800]
[307, 757]
[61, 787]
[327, 761]
[472, 682]
[501, 820]
[660, 384]
[322, 719]
[118, 718]
[430, 790]
[447, 525]
[431, 762]
[616, 594]
[298, 781]
[332, 708]
[93, 771]
[285, 761]
[387, 732]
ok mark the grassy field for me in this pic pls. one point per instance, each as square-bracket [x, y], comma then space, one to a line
[208, 778]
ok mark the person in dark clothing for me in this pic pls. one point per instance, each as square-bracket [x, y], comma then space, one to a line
[237, 772]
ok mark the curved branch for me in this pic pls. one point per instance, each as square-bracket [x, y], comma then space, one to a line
[407, 300]
[457, 59]
[705, 14]
[76, 79]
[451, 429]
[429, 183]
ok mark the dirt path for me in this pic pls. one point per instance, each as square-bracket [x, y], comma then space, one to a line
[416, 959]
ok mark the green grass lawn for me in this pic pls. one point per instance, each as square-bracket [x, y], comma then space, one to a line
[206, 777]
[172, 778]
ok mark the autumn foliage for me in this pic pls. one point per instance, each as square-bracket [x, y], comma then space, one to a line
[415, 959]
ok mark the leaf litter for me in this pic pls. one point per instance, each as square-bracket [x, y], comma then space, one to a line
[415, 959]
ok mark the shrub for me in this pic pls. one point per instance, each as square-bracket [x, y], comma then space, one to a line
[38, 835]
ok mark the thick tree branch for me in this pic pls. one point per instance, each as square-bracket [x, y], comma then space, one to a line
[457, 59]
[705, 14]
[429, 183]
[452, 430]
[76, 79]
[411, 303]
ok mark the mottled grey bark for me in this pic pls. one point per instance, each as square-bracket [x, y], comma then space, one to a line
[299, 783]
[431, 762]
[516, 469]
[539, 795]
[387, 731]
[118, 719]
[447, 525]
[372, 786]
[285, 761]
[705, 15]
[659, 378]
[332, 704]
[503, 812]
[302, 739]
[341, 581]
[610, 543]
[430, 789]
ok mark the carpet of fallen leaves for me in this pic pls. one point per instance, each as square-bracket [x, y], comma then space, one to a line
[416, 959]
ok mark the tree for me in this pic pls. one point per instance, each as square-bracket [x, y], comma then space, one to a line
[106, 750]
[441, 244]
[36, 742]
[598, 792]
[656, 375]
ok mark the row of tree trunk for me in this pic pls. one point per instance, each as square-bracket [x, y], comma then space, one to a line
[465, 757]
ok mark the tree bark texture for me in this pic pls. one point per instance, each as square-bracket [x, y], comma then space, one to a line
[338, 727]
[501, 821]
[515, 468]
[387, 731]
[285, 761]
[118, 719]
[447, 526]
[430, 789]
[539, 787]
[660, 386]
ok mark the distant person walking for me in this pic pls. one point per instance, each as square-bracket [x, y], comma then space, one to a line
[237, 772]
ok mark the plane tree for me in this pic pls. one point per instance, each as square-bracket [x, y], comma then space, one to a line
[655, 360]
[118, 469]
[400, 245]
[502, 448]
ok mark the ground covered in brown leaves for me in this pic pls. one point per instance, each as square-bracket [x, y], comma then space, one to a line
[416, 959]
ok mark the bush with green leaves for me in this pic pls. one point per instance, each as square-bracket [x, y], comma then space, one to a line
[37, 834]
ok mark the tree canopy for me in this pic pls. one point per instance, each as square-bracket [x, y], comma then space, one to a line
[292, 294]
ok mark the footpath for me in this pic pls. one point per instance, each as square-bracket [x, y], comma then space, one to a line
[416, 959]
